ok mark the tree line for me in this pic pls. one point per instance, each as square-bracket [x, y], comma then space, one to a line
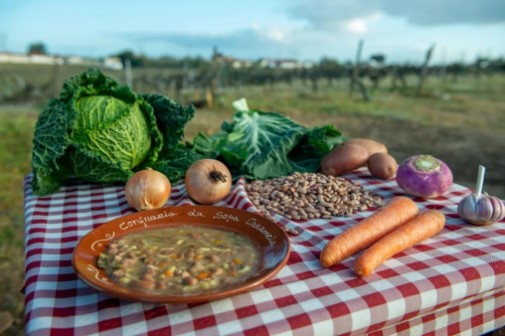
[364, 74]
[206, 76]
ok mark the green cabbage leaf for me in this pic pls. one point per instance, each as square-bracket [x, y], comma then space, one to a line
[101, 131]
[262, 145]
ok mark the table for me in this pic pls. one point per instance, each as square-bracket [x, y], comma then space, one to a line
[453, 283]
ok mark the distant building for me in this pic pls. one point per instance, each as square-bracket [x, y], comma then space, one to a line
[29, 59]
[308, 64]
[13, 58]
[113, 63]
[286, 64]
[234, 62]
[74, 60]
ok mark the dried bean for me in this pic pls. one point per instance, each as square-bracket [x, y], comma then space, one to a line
[310, 195]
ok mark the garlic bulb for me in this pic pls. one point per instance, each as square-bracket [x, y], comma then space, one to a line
[483, 210]
[480, 208]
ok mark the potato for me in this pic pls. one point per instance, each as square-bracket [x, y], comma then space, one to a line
[382, 165]
[370, 145]
[343, 159]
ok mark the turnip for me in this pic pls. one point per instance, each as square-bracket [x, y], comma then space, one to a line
[424, 176]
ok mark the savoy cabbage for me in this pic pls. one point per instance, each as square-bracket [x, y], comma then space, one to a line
[101, 131]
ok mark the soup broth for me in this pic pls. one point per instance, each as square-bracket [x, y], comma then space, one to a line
[180, 260]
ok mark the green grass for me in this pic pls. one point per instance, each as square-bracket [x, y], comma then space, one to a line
[16, 129]
[16, 132]
[442, 103]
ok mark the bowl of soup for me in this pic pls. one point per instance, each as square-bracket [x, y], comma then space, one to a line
[181, 254]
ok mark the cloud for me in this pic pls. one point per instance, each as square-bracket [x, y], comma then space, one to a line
[336, 14]
[258, 42]
[357, 26]
[436, 12]
[246, 43]
[330, 15]
[332, 28]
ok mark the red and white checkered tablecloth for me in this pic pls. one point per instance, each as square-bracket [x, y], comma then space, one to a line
[453, 283]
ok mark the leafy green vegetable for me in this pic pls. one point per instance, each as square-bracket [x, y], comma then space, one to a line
[261, 145]
[172, 118]
[313, 146]
[101, 131]
[49, 145]
[175, 164]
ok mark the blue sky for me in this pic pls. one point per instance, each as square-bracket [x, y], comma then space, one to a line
[304, 29]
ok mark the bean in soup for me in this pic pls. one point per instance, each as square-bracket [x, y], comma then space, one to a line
[180, 260]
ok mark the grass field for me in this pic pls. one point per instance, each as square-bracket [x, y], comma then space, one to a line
[460, 122]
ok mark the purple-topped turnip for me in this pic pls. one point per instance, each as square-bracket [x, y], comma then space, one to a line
[424, 176]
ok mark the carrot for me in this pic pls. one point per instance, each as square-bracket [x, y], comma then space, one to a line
[414, 231]
[202, 275]
[393, 214]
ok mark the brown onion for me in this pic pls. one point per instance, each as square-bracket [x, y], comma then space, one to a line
[208, 181]
[147, 189]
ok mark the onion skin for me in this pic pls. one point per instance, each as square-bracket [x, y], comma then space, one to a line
[424, 176]
[208, 181]
[147, 189]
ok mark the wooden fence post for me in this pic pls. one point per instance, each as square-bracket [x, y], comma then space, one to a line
[424, 70]
[355, 80]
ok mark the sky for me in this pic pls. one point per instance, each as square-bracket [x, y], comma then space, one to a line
[460, 30]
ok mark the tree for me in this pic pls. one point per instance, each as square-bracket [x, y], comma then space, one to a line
[135, 60]
[330, 69]
[378, 58]
[37, 48]
[376, 69]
